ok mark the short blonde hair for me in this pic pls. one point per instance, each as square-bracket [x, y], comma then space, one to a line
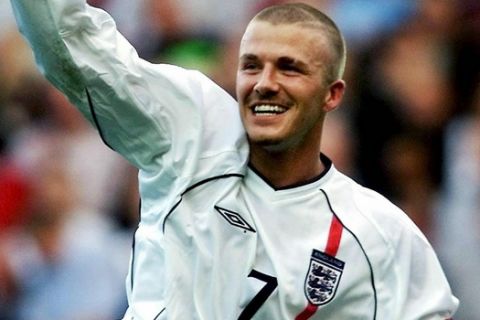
[301, 13]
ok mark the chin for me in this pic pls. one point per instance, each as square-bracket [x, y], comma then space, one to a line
[263, 138]
[271, 144]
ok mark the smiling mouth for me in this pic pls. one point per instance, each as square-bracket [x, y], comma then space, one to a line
[268, 110]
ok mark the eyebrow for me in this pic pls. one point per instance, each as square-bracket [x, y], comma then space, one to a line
[248, 57]
[291, 61]
[281, 60]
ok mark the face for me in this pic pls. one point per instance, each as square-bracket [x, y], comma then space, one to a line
[281, 86]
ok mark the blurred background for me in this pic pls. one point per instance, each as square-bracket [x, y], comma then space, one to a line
[408, 128]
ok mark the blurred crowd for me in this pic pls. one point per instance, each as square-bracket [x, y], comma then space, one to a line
[408, 128]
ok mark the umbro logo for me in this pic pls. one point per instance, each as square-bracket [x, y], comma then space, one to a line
[235, 219]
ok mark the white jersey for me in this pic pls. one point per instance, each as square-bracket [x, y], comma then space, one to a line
[215, 240]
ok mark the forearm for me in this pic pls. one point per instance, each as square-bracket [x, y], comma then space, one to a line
[141, 110]
[78, 48]
[43, 23]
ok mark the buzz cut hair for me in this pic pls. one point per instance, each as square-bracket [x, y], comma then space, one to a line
[308, 16]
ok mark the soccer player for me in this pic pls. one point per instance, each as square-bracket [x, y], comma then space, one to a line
[242, 217]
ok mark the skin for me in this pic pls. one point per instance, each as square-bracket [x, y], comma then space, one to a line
[284, 65]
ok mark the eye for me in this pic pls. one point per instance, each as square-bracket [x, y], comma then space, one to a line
[289, 68]
[249, 66]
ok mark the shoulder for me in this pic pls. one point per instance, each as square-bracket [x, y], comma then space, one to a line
[370, 215]
[189, 80]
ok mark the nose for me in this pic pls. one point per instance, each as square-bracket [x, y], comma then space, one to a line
[267, 84]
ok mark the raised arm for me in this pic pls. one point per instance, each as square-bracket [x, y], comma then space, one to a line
[137, 107]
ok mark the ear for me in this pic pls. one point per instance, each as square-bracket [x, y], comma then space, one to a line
[334, 95]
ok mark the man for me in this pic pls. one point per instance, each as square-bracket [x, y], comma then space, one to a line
[240, 221]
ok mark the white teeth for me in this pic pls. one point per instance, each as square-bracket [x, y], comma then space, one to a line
[268, 109]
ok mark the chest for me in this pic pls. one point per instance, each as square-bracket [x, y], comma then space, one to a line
[264, 256]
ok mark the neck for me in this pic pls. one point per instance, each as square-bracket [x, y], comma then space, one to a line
[284, 168]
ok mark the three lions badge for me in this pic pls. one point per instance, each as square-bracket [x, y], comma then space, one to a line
[323, 277]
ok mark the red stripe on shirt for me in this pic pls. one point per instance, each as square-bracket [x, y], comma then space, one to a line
[334, 237]
[333, 243]
[307, 312]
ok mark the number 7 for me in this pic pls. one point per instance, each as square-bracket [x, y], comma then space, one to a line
[262, 296]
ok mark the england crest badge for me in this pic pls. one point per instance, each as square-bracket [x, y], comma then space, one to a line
[323, 277]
